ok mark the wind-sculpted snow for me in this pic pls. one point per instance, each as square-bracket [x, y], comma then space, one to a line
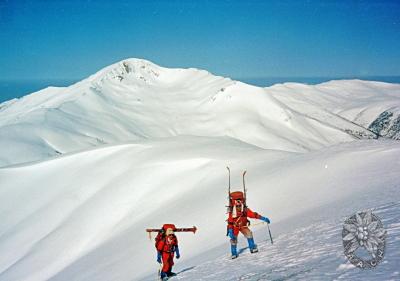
[82, 216]
[136, 99]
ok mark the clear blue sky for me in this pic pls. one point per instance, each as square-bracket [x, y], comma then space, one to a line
[73, 39]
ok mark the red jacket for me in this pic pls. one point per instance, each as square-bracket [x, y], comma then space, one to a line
[240, 219]
[166, 243]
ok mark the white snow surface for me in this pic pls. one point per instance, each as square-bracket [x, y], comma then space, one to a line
[311, 252]
[137, 145]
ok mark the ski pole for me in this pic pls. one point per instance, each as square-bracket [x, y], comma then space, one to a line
[159, 272]
[270, 236]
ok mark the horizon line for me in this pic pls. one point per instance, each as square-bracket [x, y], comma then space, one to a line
[234, 77]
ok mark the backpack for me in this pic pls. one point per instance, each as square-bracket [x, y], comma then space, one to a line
[160, 238]
[237, 195]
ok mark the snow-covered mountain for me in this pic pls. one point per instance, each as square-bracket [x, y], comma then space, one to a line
[136, 99]
[137, 145]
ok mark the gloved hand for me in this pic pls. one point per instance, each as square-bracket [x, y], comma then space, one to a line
[265, 219]
[177, 252]
[230, 234]
[158, 257]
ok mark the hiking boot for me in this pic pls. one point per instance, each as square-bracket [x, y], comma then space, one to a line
[255, 250]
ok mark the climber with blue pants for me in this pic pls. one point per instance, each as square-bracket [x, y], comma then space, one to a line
[238, 222]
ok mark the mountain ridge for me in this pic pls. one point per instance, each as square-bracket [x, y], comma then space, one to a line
[137, 99]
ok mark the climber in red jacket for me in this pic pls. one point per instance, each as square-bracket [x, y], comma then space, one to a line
[167, 247]
[238, 222]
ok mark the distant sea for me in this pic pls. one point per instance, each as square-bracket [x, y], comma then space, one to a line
[10, 89]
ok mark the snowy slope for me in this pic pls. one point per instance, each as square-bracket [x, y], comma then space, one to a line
[137, 145]
[311, 252]
[136, 99]
[82, 216]
[372, 105]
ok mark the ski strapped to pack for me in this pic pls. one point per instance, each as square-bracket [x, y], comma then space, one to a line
[158, 230]
[229, 188]
[244, 188]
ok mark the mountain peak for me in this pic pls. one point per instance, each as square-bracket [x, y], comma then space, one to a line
[129, 69]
